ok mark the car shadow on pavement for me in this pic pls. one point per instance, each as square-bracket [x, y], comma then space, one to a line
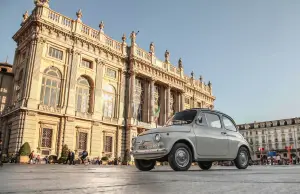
[197, 170]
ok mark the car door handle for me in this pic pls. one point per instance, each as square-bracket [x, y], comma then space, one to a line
[223, 133]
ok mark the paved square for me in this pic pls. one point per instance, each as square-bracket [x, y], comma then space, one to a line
[54, 179]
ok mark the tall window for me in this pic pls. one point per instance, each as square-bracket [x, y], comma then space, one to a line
[86, 63]
[50, 91]
[109, 101]
[82, 95]
[18, 86]
[46, 138]
[82, 141]
[53, 52]
[108, 144]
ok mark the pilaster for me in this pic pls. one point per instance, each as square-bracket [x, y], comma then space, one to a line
[132, 94]
[152, 91]
[34, 91]
[98, 89]
[168, 95]
[182, 101]
[96, 140]
[72, 85]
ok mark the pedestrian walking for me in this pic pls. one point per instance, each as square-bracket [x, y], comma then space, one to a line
[69, 157]
[31, 156]
[72, 157]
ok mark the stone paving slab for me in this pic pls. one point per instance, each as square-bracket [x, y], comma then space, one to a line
[54, 179]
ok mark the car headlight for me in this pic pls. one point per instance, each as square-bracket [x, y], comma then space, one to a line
[157, 137]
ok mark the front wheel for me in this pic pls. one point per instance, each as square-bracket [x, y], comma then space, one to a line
[242, 159]
[144, 165]
[180, 157]
[205, 165]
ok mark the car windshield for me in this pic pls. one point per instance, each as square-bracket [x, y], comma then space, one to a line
[180, 118]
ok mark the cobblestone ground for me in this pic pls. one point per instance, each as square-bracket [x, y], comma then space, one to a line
[56, 179]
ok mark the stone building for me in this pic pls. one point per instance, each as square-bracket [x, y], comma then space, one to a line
[273, 136]
[6, 78]
[75, 85]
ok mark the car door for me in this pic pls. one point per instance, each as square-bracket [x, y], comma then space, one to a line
[211, 139]
[232, 134]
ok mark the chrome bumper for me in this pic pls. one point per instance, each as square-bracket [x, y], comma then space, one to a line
[149, 151]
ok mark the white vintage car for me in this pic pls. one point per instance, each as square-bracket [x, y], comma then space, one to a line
[194, 135]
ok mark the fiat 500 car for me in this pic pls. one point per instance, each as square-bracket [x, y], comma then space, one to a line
[195, 135]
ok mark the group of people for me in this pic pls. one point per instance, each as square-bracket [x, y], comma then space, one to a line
[71, 157]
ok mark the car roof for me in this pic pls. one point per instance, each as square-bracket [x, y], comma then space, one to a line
[210, 110]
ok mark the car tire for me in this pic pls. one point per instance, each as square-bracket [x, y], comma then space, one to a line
[144, 165]
[180, 157]
[205, 165]
[242, 159]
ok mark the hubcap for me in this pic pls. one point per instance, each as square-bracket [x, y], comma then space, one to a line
[182, 157]
[243, 158]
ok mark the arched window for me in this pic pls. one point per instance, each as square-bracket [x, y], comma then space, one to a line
[50, 91]
[109, 95]
[82, 95]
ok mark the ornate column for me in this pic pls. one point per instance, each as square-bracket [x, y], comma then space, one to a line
[132, 93]
[73, 79]
[98, 89]
[182, 99]
[122, 93]
[177, 102]
[167, 97]
[152, 91]
[32, 71]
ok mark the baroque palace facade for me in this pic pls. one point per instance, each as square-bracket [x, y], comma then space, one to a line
[74, 85]
[273, 136]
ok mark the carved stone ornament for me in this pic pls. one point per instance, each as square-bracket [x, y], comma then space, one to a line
[42, 3]
[209, 84]
[133, 37]
[25, 16]
[101, 26]
[152, 48]
[124, 37]
[79, 14]
[167, 56]
[192, 74]
[201, 79]
[31, 113]
[180, 63]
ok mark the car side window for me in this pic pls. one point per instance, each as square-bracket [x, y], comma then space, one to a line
[213, 120]
[228, 124]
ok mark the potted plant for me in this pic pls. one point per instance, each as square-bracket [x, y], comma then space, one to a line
[104, 160]
[24, 153]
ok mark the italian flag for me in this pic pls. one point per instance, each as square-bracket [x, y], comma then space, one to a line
[156, 114]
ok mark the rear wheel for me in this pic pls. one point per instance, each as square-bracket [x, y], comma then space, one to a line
[180, 157]
[242, 159]
[144, 165]
[205, 165]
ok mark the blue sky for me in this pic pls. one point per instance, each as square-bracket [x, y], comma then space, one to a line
[249, 50]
